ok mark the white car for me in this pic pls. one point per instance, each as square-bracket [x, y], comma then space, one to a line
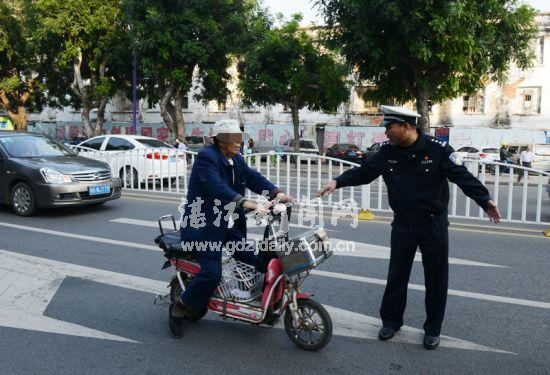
[481, 153]
[307, 146]
[136, 159]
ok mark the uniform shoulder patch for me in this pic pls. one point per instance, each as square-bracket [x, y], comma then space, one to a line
[456, 158]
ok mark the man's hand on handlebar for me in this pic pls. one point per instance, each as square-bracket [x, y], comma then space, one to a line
[259, 209]
[282, 198]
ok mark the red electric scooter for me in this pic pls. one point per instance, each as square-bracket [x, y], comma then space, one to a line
[262, 298]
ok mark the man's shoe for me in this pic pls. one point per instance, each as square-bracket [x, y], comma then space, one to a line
[431, 342]
[175, 320]
[386, 333]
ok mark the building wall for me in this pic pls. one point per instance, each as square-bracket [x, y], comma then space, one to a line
[502, 106]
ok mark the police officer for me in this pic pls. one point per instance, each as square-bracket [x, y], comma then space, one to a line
[415, 168]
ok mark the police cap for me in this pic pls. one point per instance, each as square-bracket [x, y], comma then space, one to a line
[399, 115]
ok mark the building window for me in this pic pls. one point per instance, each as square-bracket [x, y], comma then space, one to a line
[539, 51]
[528, 100]
[185, 102]
[222, 106]
[473, 103]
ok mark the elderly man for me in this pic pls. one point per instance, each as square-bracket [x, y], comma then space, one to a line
[218, 181]
[416, 169]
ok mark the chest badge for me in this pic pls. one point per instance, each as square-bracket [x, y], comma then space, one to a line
[426, 160]
[392, 161]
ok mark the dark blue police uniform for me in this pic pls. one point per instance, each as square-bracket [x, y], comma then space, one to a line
[214, 177]
[418, 192]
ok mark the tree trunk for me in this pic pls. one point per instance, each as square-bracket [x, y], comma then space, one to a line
[80, 91]
[165, 103]
[19, 118]
[180, 122]
[296, 123]
[423, 109]
[100, 116]
[86, 123]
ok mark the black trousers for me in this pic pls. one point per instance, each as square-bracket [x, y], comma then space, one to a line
[433, 240]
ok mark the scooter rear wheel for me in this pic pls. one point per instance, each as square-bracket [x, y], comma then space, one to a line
[314, 331]
[175, 291]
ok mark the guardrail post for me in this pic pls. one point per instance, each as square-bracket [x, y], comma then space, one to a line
[364, 212]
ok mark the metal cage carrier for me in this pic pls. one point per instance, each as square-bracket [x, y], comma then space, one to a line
[240, 281]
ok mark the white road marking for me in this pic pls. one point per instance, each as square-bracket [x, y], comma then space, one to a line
[361, 250]
[342, 276]
[81, 237]
[352, 324]
[452, 292]
[33, 282]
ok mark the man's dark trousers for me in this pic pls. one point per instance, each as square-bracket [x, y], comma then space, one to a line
[206, 281]
[431, 236]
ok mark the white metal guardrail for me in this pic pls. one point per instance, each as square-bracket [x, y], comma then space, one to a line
[302, 175]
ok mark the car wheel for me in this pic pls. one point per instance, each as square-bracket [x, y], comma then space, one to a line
[22, 200]
[130, 178]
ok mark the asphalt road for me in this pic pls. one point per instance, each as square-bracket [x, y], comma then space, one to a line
[77, 289]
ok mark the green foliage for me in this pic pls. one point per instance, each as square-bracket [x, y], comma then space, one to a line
[19, 85]
[176, 37]
[92, 29]
[287, 66]
[438, 49]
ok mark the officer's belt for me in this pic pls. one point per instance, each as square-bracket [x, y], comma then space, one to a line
[420, 218]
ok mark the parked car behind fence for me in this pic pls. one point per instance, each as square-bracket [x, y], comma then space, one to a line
[136, 159]
[345, 151]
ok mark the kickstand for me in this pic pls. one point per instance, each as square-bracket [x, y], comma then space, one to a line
[162, 300]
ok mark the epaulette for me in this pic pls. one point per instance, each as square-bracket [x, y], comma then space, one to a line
[438, 141]
[385, 143]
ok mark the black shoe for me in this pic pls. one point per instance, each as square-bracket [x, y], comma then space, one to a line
[175, 323]
[386, 333]
[431, 342]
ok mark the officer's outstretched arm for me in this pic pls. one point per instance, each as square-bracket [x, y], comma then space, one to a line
[368, 171]
[364, 174]
[457, 173]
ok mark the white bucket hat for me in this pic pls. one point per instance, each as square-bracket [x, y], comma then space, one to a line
[228, 126]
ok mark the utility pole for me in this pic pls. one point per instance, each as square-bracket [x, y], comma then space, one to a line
[134, 72]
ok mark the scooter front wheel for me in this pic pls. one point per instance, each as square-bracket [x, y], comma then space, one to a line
[314, 330]
[175, 291]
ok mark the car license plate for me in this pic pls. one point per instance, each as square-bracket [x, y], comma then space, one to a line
[352, 153]
[99, 190]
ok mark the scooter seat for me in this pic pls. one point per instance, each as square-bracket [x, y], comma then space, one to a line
[171, 244]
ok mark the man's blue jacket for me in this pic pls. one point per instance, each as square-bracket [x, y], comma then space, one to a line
[214, 178]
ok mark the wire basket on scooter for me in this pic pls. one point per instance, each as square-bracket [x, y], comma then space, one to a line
[240, 281]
